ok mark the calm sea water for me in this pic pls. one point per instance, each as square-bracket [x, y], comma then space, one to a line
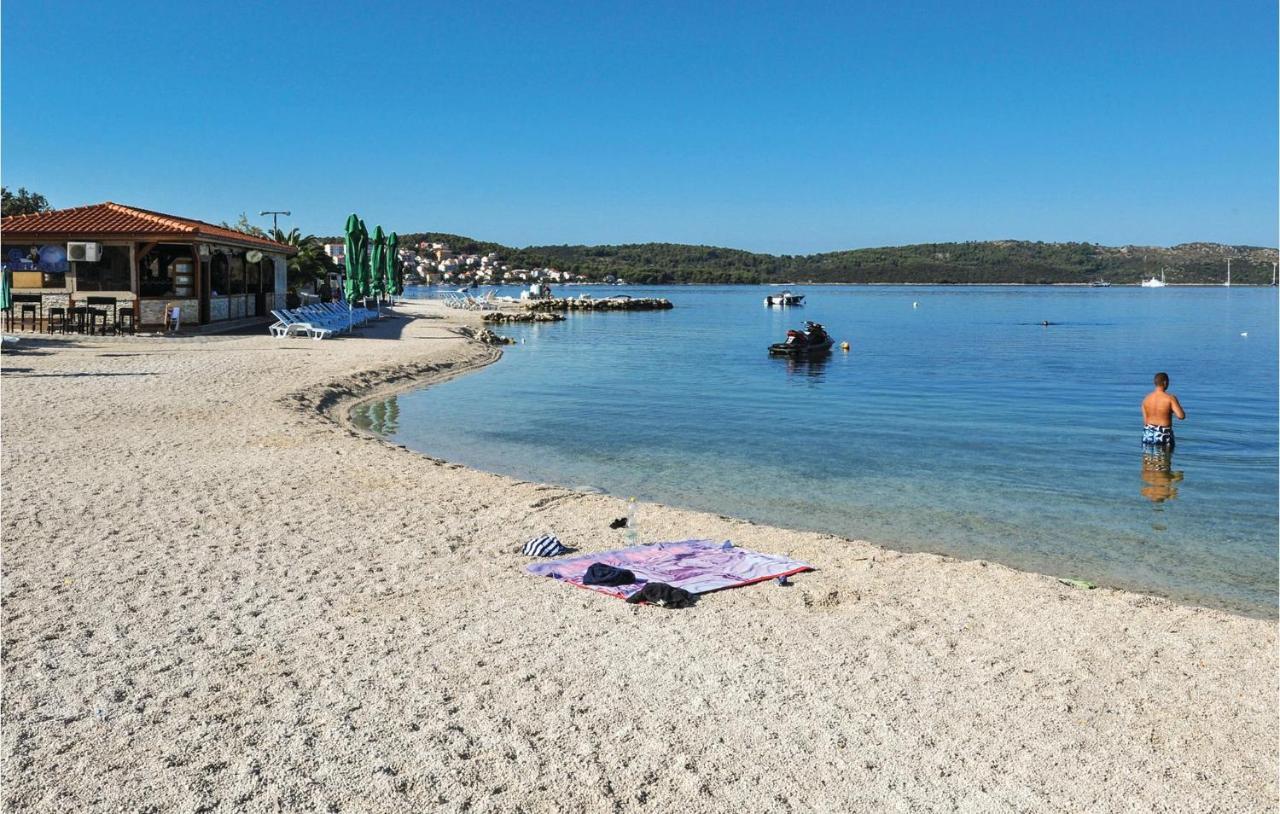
[957, 423]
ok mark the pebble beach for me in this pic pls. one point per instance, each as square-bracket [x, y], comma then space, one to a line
[219, 595]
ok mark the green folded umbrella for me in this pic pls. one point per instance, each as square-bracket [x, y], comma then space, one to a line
[395, 280]
[6, 290]
[365, 277]
[351, 277]
[377, 259]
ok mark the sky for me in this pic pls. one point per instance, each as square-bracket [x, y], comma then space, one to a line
[787, 127]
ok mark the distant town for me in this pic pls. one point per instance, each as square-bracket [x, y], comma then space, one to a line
[435, 263]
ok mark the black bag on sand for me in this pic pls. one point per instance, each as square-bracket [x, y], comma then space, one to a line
[663, 595]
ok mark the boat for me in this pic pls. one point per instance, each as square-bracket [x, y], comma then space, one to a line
[812, 341]
[786, 298]
[1099, 284]
[1153, 282]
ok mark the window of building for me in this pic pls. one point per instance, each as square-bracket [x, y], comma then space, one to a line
[35, 266]
[158, 271]
[237, 274]
[109, 273]
[219, 275]
[251, 273]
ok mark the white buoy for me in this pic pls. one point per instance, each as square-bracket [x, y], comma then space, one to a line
[1244, 333]
[915, 305]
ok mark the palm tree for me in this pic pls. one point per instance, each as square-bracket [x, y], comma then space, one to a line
[310, 264]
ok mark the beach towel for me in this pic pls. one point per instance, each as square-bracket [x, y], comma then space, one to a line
[697, 566]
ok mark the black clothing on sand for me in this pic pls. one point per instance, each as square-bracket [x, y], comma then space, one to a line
[600, 574]
[660, 593]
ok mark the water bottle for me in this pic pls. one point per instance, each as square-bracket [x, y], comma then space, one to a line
[632, 535]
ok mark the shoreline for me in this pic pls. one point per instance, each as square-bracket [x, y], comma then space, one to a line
[399, 386]
[321, 619]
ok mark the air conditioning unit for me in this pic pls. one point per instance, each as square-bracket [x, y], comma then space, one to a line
[84, 252]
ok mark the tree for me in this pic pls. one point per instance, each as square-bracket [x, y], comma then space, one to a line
[311, 263]
[23, 202]
[243, 225]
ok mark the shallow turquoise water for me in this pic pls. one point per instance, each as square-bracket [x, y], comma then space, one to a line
[960, 425]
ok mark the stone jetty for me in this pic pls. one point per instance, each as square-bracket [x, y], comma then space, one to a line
[522, 316]
[608, 304]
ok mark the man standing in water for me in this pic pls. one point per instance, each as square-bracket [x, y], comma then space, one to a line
[1158, 410]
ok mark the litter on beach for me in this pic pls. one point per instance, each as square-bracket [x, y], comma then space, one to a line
[696, 566]
[1082, 584]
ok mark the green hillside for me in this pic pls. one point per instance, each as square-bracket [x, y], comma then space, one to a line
[998, 261]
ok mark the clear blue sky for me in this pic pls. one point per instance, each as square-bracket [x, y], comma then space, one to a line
[784, 127]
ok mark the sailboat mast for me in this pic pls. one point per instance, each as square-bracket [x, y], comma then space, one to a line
[1228, 272]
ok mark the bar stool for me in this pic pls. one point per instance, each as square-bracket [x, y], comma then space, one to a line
[24, 309]
[58, 313]
[97, 321]
[76, 318]
[108, 320]
[123, 317]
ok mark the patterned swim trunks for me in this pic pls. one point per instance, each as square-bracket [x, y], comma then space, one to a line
[1153, 435]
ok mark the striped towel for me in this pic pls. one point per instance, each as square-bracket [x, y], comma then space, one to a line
[548, 545]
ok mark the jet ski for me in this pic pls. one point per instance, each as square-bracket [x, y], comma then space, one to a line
[813, 340]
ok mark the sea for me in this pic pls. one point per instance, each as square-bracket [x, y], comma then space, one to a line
[957, 422]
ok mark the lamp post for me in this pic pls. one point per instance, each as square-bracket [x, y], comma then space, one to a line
[275, 215]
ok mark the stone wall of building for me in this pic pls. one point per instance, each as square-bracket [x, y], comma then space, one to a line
[219, 308]
[153, 311]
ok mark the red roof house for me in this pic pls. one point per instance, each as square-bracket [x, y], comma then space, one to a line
[144, 260]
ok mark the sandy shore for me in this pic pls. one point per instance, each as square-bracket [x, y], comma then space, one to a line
[217, 596]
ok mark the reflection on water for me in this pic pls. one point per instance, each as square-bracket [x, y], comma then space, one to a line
[381, 417]
[1159, 475]
[814, 367]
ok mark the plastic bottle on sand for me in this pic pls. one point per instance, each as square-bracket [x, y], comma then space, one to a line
[632, 535]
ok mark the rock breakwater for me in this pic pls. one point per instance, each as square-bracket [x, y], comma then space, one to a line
[522, 316]
[609, 304]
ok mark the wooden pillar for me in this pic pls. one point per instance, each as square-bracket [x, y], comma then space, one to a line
[202, 301]
[140, 253]
[134, 285]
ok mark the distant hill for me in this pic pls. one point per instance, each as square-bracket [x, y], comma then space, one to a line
[992, 261]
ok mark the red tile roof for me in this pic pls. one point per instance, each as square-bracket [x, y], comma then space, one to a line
[112, 220]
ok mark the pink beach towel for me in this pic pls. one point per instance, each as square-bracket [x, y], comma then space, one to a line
[697, 566]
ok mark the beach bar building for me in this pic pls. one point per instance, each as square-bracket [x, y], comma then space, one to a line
[140, 262]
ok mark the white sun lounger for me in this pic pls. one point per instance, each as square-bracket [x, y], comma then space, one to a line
[290, 325]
